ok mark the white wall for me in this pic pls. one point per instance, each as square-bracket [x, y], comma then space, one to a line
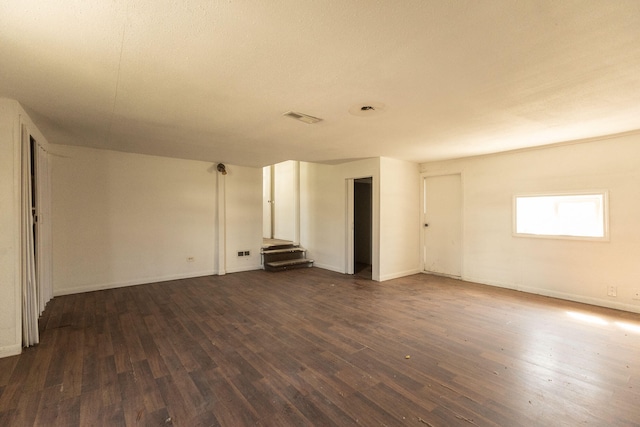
[10, 326]
[399, 218]
[396, 209]
[122, 219]
[569, 269]
[12, 117]
[321, 227]
[323, 216]
[243, 202]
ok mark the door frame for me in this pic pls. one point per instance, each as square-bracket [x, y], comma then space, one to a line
[423, 252]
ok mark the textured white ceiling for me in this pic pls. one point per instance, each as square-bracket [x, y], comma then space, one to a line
[210, 80]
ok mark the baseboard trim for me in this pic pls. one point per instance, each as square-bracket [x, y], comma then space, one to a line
[114, 285]
[10, 350]
[246, 268]
[561, 295]
[399, 274]
[328, 267]
[451, 276]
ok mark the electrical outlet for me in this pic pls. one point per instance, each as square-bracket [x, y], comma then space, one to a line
[240, 253]
[247, 253]
[612, 291]
[636, 294]
[190, 259]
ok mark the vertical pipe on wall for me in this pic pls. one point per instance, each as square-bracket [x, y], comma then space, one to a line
[272, 183]
[296, 203]
[220, 261]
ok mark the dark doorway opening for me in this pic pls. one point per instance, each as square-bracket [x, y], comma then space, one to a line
[362, 227]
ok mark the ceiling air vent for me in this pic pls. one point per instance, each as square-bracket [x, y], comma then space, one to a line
[302, 117]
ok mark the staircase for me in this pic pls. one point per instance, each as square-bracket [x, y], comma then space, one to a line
[284, 256]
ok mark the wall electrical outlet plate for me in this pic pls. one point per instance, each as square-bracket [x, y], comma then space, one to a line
[636, 294]
[612, 291]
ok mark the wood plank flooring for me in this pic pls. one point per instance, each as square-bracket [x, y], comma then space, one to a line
[312, 347]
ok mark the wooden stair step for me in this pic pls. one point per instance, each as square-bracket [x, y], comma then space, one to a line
[289, 262]
[282, 251]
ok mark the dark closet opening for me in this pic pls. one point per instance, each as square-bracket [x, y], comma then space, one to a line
[363, 227]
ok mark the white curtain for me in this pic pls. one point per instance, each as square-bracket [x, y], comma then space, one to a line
[43, 230]
[36, 250]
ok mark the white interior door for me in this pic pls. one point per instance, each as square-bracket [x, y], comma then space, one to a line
[281, 201]
[442, 225]
[267, 199]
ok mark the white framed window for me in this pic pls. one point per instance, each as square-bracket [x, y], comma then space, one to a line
[562, 215]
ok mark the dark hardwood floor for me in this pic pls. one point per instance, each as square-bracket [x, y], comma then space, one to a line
[312, 347]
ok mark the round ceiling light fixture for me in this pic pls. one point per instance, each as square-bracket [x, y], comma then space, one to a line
[367, 109]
